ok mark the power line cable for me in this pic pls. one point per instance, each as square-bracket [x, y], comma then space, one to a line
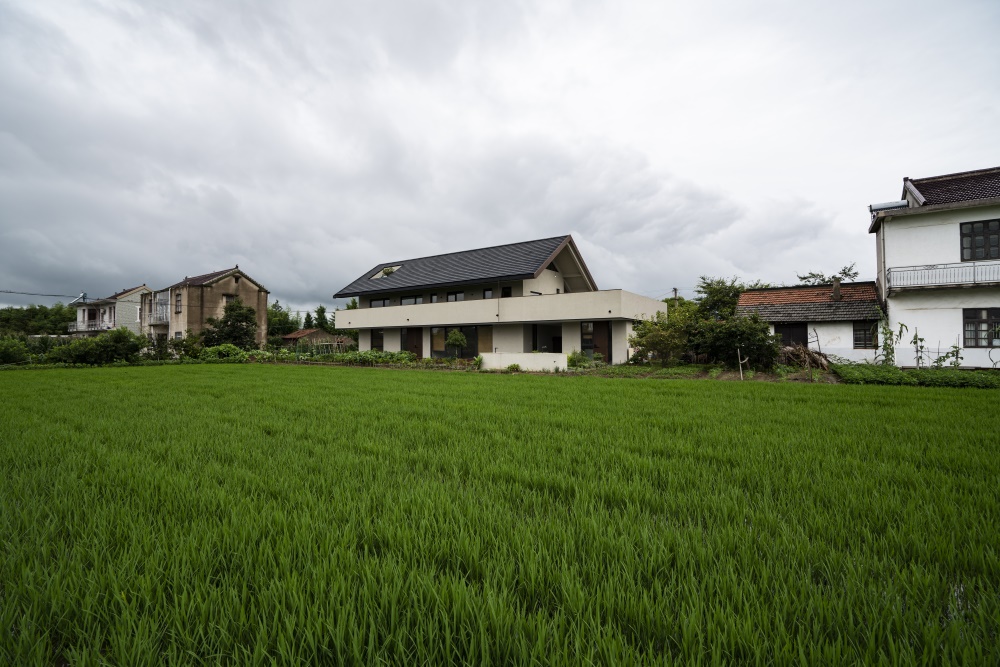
[8, 291]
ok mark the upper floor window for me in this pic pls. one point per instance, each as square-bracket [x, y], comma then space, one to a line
[982, 327]
[506, 292]
[487, 293]
[864, 334]
[411, 300]
[435, 298]
[456, 296]
[980, 240]
[177, 303]
[378, 303]
[226, 299]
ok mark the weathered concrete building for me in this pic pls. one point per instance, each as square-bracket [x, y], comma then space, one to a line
[187, 305]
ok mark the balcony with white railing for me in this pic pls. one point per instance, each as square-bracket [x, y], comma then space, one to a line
[963, 274]
[94, 325]
[160, 316]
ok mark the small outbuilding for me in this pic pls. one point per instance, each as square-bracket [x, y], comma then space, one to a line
[836, 319]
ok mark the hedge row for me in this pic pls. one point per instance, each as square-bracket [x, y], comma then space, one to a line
[927, 377]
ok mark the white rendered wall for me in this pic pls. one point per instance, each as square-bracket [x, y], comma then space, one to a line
[929, 238]
[548, 282]
[572, 337]
[837, 338]
[508, 338]
[936, 315]
[364, 340]
[528, 361]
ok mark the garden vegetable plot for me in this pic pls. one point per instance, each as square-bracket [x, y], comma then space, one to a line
[249, 514]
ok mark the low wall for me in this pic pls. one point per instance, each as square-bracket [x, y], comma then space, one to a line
[528, 361]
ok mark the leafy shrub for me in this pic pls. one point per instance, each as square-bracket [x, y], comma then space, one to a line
[117, 345]
[13, 351]
[577, 359]
[719, 340]
[514, 368]
[937, 377]
[370, 358]
[227, 353]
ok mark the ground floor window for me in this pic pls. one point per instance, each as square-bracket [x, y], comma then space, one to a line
[378, 339]
[792, 333]
[479, 340]
[982, 327]
[865, 337]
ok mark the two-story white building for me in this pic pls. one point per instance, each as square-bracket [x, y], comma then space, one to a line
[534, 296]
[101, 315]
[938, 259]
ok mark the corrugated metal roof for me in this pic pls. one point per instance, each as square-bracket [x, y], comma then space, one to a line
[514, 261]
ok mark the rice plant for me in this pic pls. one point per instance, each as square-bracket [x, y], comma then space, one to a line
[273, 514]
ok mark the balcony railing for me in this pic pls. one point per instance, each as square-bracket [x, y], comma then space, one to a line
[160, 316]
[945, 275]
[75, 327]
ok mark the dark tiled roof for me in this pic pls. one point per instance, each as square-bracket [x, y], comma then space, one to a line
[126, 291]
[515, 261]
[812, 303]
[203, 279]
[207, 278]
[964, 186]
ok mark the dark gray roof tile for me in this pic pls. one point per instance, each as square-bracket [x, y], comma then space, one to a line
[514, 261]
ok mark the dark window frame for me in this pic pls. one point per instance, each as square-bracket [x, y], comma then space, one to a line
[865, 334]
[506, 292]
[454, 297]
[435, 298]
[981, 322]
[415, 300]
[382, 303]
[488, 293]
[177, 303]
[981, 236]
[380, 346]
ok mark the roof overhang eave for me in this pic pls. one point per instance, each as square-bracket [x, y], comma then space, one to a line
[929, 208]
[348, 293]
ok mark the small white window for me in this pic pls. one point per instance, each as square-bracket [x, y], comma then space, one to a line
[178, 335]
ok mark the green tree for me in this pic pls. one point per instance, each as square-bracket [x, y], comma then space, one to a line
[36, 320]
[457, 341]
[321, 322]
[280, 322]
[846, 274]
[665, 336]
[718, 297]
[238, 326]
[720, 339]
[308, 324]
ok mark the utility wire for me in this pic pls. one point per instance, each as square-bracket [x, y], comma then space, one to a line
[8, 291]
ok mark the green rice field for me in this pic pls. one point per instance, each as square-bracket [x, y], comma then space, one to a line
[251, 514]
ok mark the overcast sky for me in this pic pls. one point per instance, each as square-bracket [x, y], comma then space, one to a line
[309, 141]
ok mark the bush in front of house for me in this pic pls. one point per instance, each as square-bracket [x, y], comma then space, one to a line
[117, 345]
[936, 377]
[225, 353]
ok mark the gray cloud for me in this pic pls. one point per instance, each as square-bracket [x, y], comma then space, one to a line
[142, 142]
